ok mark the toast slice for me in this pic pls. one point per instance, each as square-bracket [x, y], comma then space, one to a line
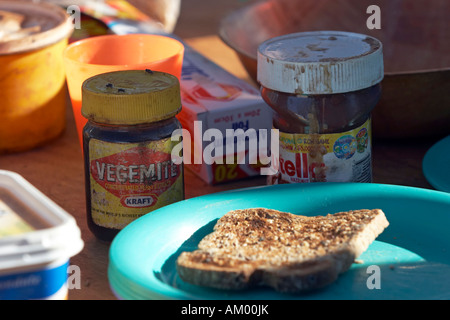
[290, 253]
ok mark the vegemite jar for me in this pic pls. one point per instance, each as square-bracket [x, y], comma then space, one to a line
[322, 86]
[128, 144]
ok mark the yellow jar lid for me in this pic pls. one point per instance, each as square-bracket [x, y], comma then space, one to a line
[131, 97]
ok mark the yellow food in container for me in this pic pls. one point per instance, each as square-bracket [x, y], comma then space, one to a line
[33, 37]
[37, 240]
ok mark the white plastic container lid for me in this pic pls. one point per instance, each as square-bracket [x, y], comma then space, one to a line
[35, 231]
[320, 62]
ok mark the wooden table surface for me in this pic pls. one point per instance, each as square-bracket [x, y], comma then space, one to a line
[57, 168]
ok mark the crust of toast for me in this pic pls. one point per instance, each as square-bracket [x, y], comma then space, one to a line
[290, 253]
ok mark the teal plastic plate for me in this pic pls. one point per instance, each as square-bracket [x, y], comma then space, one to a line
[436, 165]
[409, 260]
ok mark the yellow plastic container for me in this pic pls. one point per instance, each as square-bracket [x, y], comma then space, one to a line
[32, 76]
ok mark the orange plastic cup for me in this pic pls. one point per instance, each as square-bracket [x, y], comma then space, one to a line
[89, 57]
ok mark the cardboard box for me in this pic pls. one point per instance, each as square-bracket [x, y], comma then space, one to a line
[213, 98]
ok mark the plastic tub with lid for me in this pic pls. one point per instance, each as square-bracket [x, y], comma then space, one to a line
[33, 37]
[37, 240]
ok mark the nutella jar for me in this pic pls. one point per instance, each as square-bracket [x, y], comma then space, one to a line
[322, 86]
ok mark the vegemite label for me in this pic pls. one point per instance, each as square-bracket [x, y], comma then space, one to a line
[335, 157]
[128, 181]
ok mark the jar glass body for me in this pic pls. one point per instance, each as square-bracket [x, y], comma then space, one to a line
[126, 137]
[321, 128]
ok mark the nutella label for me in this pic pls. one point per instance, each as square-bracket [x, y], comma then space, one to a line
[130, 180]
[337, 157]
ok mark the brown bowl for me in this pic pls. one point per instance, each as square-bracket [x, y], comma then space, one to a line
[416, 44]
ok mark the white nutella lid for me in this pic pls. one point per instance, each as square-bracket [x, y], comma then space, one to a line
[320, 62]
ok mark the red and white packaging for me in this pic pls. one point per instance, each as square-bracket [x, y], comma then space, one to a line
[213, 98]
